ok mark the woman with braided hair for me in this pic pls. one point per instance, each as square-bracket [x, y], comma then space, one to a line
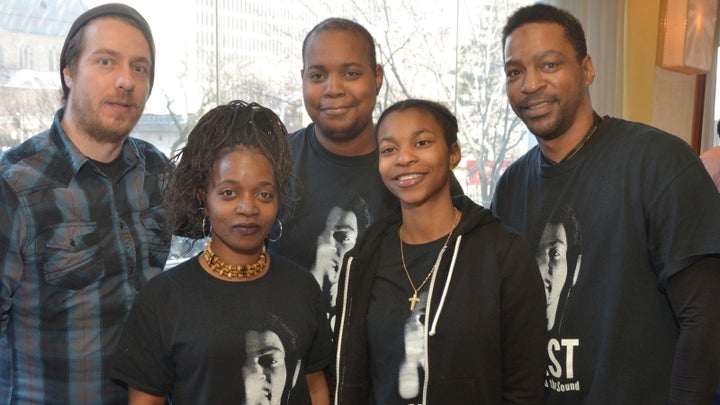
[201, 333]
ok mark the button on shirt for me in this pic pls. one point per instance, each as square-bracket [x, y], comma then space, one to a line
[76, 246]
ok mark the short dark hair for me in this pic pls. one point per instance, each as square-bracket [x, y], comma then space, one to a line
[267, 321]
[442, 115]
[360, 208]
[236, 124]
[543, 13]
[565, 217]
[342, 24]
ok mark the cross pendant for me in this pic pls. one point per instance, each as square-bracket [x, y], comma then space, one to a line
[413, 300]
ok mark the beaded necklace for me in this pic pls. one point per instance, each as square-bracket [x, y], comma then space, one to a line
[228, 270]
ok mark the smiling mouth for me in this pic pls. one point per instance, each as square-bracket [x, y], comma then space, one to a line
[335, 110]
[536, 110]
[536, 106]
[406, 177]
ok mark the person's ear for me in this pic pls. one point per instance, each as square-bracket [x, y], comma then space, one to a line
[67, 76]
[379, 77]
[201, 197]
[455, 155]
[588, 70]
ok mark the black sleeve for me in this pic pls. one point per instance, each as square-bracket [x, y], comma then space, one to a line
[523, 327]
[694, 294]
[140, 359]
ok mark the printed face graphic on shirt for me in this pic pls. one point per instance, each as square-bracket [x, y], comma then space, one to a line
[338, 237]
[552, 261]
[558, 256]
[264, 372]
[412, 367]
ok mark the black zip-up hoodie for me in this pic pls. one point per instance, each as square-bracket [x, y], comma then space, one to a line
[485, 323]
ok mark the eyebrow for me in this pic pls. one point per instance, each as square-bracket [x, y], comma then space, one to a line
[114, 53]
[414, 134]
[343, 66]
[234, 182]
[270, 349]
[535, 58]
[343, 227]
[421, 131]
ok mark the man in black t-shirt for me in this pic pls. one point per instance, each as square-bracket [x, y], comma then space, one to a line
[335, 157]
[641, 324]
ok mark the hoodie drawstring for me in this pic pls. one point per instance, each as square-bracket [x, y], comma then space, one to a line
[433, 329]
[341, 325]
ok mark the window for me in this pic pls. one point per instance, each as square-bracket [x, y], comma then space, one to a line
[53, 59]
[430, 49]
[25, 57]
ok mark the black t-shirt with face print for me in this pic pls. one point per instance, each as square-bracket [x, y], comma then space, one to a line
[395, 332]
[203, 340]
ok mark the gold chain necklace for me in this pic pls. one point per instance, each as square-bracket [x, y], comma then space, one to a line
[414, 299]
[596, 122]
[230, 271]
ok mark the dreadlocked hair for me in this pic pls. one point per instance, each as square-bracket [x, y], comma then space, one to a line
[236, 124]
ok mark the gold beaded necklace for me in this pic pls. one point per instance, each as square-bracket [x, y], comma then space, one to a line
[414, 299]
[230, 271]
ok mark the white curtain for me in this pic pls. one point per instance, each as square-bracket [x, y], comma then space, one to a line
[603, 22]
[709, 132]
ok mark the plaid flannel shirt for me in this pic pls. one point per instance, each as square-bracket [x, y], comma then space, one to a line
[75, 249]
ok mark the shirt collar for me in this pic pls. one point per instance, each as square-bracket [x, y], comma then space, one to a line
[130, 153]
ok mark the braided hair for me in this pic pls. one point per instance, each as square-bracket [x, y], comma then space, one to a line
[236, 124]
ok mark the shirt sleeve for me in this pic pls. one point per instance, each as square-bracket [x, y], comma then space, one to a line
[694, 296]
[523, 327]
[141, 360]
[12, 232]
[683, 218]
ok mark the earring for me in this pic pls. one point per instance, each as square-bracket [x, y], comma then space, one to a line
[279, 235]
[204, 226]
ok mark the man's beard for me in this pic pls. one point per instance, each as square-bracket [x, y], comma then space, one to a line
[112, 132]
[547, 130]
